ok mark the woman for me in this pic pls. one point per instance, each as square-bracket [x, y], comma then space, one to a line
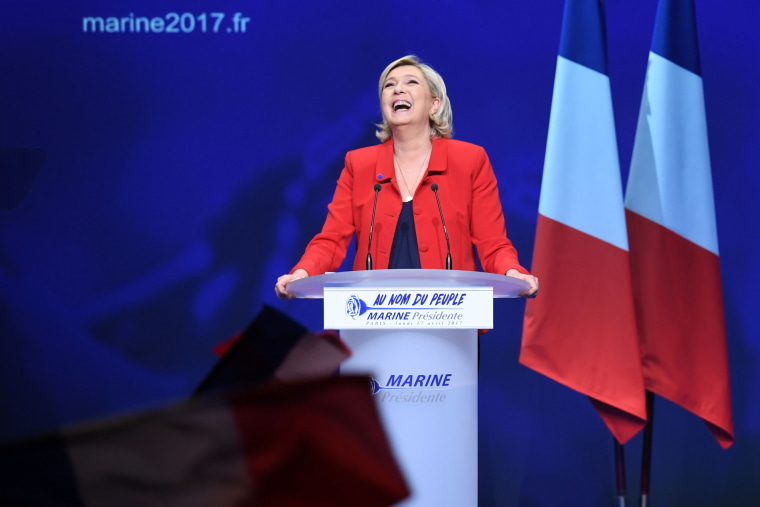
[416, 152]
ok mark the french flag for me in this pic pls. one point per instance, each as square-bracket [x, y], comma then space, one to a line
[581, 329]
[269, 426]
[319, 443]
[672, 230]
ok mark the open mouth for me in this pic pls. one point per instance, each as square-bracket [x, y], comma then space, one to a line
[402, 105]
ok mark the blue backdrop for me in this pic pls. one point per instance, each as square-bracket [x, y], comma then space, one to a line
[188, 167]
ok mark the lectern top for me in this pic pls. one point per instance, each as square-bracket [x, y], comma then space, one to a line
[313, 287]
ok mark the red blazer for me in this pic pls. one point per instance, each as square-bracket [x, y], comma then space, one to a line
[469, 199]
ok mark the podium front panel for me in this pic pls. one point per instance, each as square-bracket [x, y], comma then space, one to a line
[408, 308]
[425, 385]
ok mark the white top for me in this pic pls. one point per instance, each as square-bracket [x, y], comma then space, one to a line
[313, 287]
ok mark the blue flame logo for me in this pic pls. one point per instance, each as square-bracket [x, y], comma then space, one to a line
[355, 307]
[374, 385]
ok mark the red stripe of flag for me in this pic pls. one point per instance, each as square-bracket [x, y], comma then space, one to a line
[578, 331]
[682, 337]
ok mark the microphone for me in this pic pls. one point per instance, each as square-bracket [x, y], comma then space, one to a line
[371, 227]
[434, 188]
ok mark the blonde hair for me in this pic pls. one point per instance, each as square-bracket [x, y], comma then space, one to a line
[441, 120]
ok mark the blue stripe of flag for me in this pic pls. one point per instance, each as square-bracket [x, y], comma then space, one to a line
[675, 34]
[584, 34]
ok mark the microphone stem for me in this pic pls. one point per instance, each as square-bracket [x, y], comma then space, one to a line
[371, 227]
[434, 187]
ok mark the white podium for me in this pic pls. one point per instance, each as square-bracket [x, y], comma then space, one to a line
[414, 332]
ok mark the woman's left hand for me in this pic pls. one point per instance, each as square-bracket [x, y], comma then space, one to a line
[532, 281]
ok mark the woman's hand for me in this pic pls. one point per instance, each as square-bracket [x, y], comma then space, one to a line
[532, 281]
[281, 287]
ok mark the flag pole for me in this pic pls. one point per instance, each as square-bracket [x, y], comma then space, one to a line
[646, 455]
[620, 473]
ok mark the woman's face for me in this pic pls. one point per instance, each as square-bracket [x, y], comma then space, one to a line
[407, 99]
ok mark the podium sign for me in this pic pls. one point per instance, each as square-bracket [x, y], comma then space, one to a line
[410, 308]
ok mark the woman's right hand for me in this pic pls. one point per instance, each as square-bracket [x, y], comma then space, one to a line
[281, 287]
[532, 282]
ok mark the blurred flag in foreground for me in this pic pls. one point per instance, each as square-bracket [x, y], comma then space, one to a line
[581, 330]
[310, 444]
[672, 230]
[261, 430]
[274, 348]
